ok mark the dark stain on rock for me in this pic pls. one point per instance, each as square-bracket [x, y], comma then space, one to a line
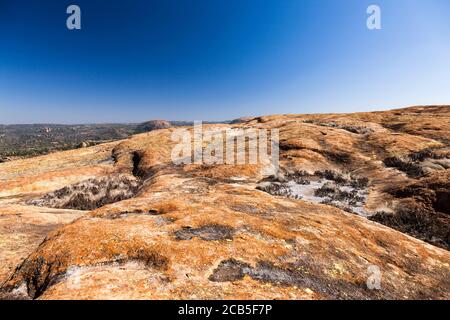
[137, 171]
[249, 209]
[336, 157]
[39, 274]
[150, 258]
[208, 233]
[292, 275]
[230, 270]
[150, 212]
[267, 272]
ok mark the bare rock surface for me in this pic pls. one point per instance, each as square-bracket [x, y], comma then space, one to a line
[150, 229]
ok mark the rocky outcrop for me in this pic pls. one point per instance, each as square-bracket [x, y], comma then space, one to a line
[152, 125]
[195, 231]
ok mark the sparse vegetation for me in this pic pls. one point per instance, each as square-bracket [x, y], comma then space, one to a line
[432, 227]
[332, 176]
[411, 168]
[91, 194]
[343, 191]
[412, 164]
[347, 127]
[278, 189]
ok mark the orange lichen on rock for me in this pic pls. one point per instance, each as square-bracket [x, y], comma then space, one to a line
[157, 230]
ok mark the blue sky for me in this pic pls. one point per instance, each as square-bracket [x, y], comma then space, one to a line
[213, 59]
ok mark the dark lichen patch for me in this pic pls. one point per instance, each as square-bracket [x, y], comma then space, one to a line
[336, 157]
[294, 275]
[11, 295]
[230, 270]
[249, 209]
[395, 126]
[207, 233]
[343, 207]
[39, 274]
[150, 258]
[267, 272]
[123, 214]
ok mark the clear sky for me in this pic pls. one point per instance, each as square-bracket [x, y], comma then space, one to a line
[218, 59]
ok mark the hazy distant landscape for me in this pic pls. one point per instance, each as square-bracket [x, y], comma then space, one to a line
[17, 141]
[29, 140]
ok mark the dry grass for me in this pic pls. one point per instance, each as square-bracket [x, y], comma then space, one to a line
[91, 194]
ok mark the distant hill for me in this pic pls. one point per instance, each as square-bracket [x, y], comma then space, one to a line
[152, 125]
